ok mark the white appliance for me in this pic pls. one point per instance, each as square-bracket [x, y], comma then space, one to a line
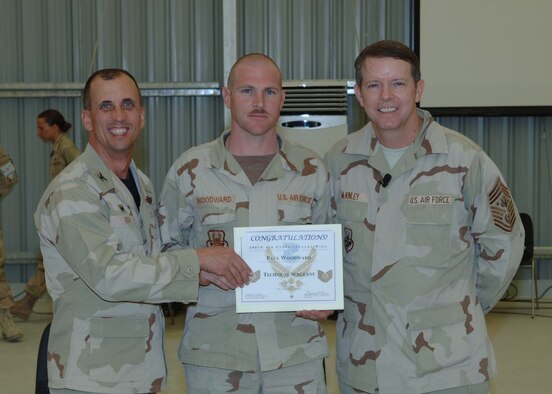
[316, 132]
[314, 113]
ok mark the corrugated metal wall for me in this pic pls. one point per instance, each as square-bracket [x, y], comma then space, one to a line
[181, 41]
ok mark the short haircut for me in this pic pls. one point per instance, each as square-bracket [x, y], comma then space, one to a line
[251, 58]
[388, 48]
[106, 74]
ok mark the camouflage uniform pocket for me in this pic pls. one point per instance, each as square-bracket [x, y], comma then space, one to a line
[212, 330]
[294, 213]
[357, 350]
[117, 349]
[428, 228]
[346, 326]
[437, 338]
[127, 230]
[216, 214]
[217, 224]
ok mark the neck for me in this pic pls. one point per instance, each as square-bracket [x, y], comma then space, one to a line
[399, 138]
[55, 138]
[118, 163]
[242, 144]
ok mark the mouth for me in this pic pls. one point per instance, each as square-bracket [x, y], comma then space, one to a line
[258, 115]
[387, 110]
[117, 131]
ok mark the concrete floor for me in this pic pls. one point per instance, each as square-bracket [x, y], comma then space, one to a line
[523, 348]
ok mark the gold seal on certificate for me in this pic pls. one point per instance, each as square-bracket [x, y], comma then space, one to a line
[295, 268]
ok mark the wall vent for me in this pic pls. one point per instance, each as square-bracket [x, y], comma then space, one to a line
[322, 97]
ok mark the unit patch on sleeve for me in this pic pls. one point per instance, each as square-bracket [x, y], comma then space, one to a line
[348, 241]
[502, 206]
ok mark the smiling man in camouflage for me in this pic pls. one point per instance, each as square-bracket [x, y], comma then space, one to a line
[99, 236]
[432, 239]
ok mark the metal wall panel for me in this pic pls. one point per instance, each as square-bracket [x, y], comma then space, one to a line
[63, 41]
[309, 39]
[181, 41]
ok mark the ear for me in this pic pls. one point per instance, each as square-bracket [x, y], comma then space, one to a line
[358, 95]
[283, 99]
[419, 90]
[142, 117]
[86, 119]
[226, 95]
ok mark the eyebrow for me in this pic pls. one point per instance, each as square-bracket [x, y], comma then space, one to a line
[122, 101]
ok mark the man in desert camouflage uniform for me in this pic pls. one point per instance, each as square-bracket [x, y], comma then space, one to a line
[432, 239]
[99, 236]
[8, 329]
[249, 176]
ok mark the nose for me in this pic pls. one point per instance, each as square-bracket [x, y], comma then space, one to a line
[258, 102]
[386, 92]
[118, 113]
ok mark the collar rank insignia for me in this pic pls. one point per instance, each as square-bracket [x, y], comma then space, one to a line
[101, 177]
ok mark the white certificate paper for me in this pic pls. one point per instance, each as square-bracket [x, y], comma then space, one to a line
[295, 268]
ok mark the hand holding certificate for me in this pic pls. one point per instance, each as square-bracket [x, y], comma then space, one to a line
[295, 268]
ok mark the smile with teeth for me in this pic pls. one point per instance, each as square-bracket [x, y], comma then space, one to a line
[118, 130]
[388, 109]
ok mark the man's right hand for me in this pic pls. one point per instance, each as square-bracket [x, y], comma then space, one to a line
[223, 261]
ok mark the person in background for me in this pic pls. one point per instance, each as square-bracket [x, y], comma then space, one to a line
[8, 329]
[431, 240]
[51, 127]
[247, 177]
[99, 235]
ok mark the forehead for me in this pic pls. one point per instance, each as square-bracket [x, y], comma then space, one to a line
[116, 89]
[259, 72]
[376, 67]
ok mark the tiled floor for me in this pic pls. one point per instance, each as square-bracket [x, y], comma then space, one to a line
[523, 347]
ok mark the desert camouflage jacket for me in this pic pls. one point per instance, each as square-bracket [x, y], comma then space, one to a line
[63, 152]
[206, 194]
[105, 275]
[424, 258]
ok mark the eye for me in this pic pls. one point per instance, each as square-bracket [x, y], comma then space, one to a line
[106, 106]
[246, 90]
[128, 104]
[371, 85]
[399, 83]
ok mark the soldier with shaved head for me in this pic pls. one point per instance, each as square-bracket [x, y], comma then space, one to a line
[249, 176]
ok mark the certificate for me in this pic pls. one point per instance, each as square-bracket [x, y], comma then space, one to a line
[295, 268]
